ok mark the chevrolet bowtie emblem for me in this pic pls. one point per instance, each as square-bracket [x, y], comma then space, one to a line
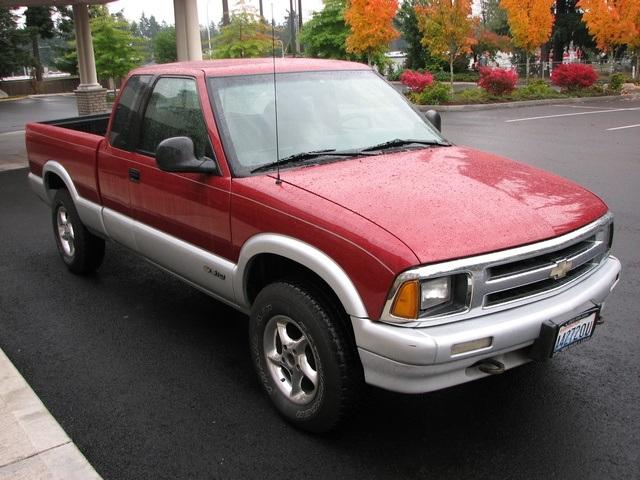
[561, 269]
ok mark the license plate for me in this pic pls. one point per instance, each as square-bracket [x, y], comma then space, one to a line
[575, 331]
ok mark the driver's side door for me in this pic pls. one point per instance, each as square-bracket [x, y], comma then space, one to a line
[192, 208]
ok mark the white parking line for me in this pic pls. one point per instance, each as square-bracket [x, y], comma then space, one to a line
[571, 114]
[577, 106]
[622, 128]
[17, 132]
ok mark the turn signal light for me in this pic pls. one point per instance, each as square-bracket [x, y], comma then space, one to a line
[407, 300]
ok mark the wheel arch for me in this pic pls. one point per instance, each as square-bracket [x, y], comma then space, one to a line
[54, 177]
[301, 257]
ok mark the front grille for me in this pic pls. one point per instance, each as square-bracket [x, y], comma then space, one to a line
[534, 288]
[526, 277]
[529, 264]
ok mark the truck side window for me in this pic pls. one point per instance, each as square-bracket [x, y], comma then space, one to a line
[174, 111]
[127, 116]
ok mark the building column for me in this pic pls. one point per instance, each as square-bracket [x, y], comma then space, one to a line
[90, 95]
[194, 44]
[181, 30]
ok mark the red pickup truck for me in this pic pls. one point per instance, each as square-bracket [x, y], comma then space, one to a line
[363, 245]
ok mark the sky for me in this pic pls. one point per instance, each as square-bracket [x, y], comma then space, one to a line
[163, 9]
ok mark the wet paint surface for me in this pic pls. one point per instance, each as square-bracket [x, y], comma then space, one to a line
[452, 202]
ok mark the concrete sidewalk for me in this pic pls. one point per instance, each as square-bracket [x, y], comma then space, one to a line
[13, 153]
[32, 444]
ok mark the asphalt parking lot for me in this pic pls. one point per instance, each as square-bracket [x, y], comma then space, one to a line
[152, 379]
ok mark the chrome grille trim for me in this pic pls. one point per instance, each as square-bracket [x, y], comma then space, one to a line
[479, 267]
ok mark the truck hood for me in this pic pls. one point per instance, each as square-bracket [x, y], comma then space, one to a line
[452, 202]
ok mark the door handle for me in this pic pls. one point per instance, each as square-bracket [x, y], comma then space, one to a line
[134, 175]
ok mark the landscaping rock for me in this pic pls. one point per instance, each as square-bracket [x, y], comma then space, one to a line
[629, 88]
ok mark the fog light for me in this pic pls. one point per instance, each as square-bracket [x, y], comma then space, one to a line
[470, 346]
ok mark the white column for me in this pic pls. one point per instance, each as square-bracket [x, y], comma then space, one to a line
[181, 30]
[86, 59]
[194, 45]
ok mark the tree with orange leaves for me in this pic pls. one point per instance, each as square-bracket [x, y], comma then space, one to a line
[447, 28]
[612, 23]
[530, 22]
[371, 25]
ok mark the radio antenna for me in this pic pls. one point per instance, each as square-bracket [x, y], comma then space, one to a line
[275, 94]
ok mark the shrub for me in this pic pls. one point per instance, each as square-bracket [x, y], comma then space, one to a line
[537, 89]
[498, 81]
[616, 81]
[416, 81]
[434, 94]
[394, 72]
[472, 95]
[443, 76]
[573, 76]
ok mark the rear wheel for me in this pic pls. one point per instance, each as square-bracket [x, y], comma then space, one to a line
[79, 249]
[304, 356]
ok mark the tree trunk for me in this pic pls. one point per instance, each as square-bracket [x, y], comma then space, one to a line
[527, 70]
[292, 27]
[451, 59]
[225, 12]
[637, 64]
[37, 66]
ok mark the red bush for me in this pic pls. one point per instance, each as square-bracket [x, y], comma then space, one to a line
[573, 76]
[416, 81]
[498, 81]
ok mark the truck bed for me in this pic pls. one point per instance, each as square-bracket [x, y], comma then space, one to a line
[94, 124]
[72, 142]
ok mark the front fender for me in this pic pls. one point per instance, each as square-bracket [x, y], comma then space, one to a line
[304, 254]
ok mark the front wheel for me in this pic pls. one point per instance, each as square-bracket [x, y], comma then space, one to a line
[79, 249]
[304, 356]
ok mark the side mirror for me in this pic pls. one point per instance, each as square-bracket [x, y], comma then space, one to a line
[434, 119]
[177, 154]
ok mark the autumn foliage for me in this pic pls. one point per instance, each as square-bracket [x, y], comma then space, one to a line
[574, 76]
[530, 22]
[447, 28]
[498, 81]
[612, 22]
[371, 25]
[416, 81]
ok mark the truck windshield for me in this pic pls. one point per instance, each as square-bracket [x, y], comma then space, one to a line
[317, 111]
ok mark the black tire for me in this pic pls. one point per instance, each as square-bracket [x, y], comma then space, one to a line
[80, 250]
[330, 349]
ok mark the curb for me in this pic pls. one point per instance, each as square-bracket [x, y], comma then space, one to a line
[524, 103]
[34, 445]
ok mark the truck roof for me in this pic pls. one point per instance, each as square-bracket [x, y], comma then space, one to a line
[251, 66]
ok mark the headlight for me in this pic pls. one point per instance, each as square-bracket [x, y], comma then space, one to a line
[435, 292]
[428, 297]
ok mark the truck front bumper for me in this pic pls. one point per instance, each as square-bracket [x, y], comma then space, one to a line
[416, 360]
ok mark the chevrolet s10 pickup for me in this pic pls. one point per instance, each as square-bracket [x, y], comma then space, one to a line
[310, 195]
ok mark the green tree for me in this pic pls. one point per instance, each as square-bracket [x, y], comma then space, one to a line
[418, 56]
[116, 50]
[66, 55]
[11, 38]
[569, 27]
[325, 35]
[494, 17]
[245, 36]
[165, 45]
[38, 25]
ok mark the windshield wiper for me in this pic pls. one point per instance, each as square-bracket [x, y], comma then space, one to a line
[299, 157]
[400, 142]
